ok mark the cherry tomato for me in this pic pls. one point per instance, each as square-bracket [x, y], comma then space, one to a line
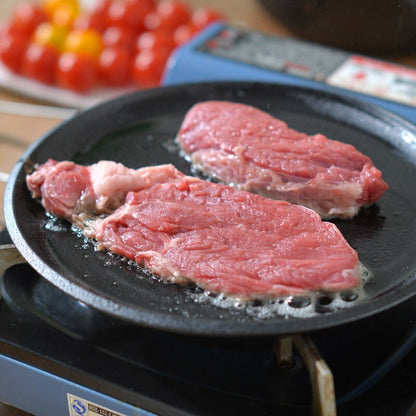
[155, 39]
[8, 29]
[12, 50]
[5, 30]
[86, 42]
[114, 66]
[65, 14]
[172, 13]
[151, 21]
[26, 17]
[50, 34]
[39, 62]
[86, 21]
[129, 14]
[119, 37]
[148, 66]
[101, 7]
[148, 3]
[184, 33]
[96, 19]
[50, 6]
[76, 72]
[203, 16]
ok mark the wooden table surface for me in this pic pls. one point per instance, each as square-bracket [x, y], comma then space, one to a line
[17, 131]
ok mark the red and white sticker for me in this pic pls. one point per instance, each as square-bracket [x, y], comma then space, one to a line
[377, 78]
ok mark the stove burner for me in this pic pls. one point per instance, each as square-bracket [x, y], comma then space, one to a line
[212, 363]
[23, 289]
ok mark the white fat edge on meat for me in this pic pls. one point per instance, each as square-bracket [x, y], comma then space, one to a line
[259, 308]
[267, 308]
[198, 169]
[84, 227]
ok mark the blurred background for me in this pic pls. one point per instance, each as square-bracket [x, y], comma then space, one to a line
[385, 29]
[17, 131]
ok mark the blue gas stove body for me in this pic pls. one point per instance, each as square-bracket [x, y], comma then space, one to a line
[228, 53]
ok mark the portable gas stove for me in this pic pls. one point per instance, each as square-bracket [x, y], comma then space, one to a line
[60, 356]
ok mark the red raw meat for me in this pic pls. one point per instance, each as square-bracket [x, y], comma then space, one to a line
[184, 229]
[242, 146]
[77, 192]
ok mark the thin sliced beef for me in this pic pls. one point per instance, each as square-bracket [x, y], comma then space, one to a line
[184, 229]
[242, 146]
[77, 192]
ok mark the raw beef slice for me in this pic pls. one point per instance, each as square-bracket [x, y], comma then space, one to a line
[185, 229]
[242, 146]
[79, 193]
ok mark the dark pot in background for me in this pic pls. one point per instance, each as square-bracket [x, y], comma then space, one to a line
[365, 26]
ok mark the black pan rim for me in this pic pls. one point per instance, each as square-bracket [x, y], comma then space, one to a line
[178, 325]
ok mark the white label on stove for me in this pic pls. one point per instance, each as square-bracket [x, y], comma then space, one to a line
[82, 407]
[381, 79]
